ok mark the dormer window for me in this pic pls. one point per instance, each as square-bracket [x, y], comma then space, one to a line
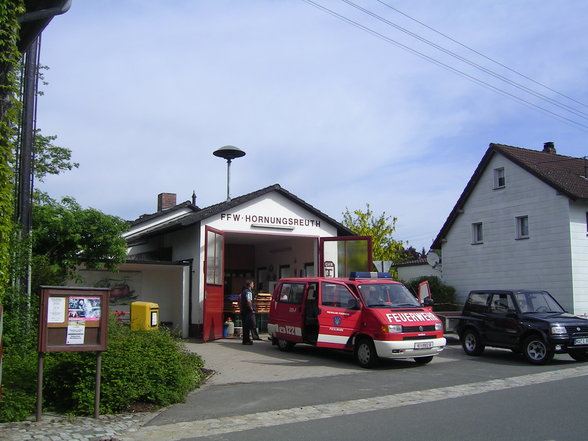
[499, 179]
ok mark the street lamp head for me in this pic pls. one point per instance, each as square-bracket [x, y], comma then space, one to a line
[229, 152]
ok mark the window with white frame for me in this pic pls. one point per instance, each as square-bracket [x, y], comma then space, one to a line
[499, 179]
[522, 227]
[477, 233]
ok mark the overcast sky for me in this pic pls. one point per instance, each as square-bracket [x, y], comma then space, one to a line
[339, 110]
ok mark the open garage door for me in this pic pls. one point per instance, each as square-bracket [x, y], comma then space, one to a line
[213, 285]
[339, 256]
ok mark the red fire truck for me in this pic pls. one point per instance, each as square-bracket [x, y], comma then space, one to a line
[368, 313]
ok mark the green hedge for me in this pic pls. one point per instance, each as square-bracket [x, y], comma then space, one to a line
[443, 295]
[19, 388]
[139, 367]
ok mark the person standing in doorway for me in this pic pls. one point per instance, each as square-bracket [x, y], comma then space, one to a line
[254, 333]
[247, 316]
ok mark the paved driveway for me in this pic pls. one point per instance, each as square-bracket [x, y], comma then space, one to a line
[237, 363]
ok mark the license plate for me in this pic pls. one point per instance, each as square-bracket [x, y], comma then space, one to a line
[423, 345]
[581, 341]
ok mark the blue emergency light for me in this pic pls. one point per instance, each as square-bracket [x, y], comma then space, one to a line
[369, 275]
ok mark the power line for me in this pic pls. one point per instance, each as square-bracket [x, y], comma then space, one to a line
[471, 63]
[482, 55]
[446, 66]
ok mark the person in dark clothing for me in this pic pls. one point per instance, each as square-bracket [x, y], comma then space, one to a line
[254, 333]
[247, 315]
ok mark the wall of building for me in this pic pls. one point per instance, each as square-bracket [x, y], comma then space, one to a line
[161, 284]
[409, 272]
[543, 261]
[579, 239]
[164, 286]
[271, 214]
[184, 243]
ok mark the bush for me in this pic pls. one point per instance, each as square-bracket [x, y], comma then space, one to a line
[138, 367]
[19, 385]
[443, 295]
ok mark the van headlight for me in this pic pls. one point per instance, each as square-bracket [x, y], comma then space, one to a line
[439, 326]
[391, 328]
[558, 330]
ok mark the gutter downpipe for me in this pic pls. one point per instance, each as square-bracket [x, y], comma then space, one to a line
[28, 124]
[190, 263]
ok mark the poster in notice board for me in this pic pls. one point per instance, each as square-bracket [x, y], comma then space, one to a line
[73, 319]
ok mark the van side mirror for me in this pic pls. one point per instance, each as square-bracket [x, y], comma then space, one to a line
[428, 301]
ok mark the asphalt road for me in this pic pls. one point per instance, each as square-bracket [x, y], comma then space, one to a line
[262, 394]
[540, 412]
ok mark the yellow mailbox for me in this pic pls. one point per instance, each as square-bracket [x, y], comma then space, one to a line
[144, 316]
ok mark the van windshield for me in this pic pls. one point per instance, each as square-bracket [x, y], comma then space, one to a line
[386, 295]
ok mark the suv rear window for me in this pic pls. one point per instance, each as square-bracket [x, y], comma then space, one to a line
[477, 302]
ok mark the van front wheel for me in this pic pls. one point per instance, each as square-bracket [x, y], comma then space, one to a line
[365, 353]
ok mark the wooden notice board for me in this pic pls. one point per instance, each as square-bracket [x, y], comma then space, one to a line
[73, 319]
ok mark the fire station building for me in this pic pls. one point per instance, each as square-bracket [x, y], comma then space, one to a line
[193, 261]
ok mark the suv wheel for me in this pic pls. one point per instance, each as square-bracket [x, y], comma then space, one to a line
[365, 353]
[579, 354]
[471, 342]
[536, 350]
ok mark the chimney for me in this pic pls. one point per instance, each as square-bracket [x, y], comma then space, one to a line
[549, 147]
[165, 201]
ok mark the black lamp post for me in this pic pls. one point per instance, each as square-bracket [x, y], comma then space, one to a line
[229, 152]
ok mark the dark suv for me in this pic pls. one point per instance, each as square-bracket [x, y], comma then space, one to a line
[531, 322]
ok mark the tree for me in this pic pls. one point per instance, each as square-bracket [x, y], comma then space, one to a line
[65, 236]
[9, 61]
[411, 253]
[49, 158]
[381, 229]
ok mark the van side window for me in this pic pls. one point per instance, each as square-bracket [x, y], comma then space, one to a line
[336, 295]
[291, 293]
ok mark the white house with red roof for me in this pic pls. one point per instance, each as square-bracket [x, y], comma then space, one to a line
[521, 222]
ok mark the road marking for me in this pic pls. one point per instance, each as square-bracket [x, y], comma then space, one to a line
[230, 424]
